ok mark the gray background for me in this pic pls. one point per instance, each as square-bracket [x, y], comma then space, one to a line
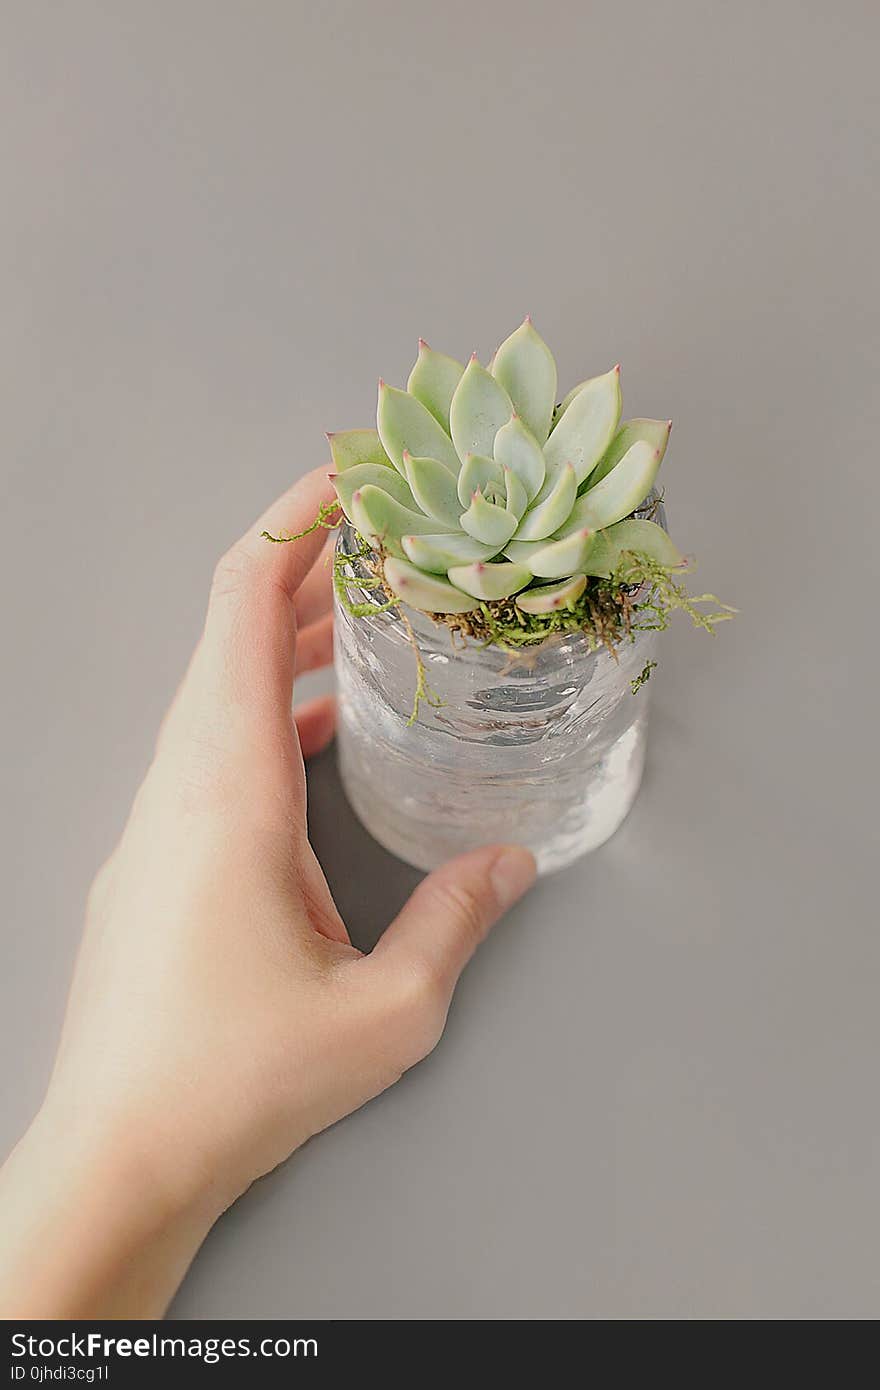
[657, 1096]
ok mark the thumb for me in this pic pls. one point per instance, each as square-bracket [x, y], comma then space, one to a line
[432, 939]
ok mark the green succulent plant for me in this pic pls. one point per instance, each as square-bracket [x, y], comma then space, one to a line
[476, 486]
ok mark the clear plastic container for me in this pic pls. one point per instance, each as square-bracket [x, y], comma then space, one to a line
[544, 748]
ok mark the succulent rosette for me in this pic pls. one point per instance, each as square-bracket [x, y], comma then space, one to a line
[476, 486]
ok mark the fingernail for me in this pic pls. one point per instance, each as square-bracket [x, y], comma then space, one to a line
[512, 874]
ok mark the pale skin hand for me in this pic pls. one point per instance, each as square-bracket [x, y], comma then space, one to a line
[219, 1015]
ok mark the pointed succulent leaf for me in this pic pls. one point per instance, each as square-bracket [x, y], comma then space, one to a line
[523, 552]
[433, 380]
[634, 535]
[490, 581]
[517, 497]
[488, 523]
[517, 448]
[557, 559]
[434, 488]
[425, 591]
[644, 538]
[383, 520]
[404, 423]
[586, 429]
[575, 521]
[653, 432]
[476, 472]
[567, 400]
[545, 517]
[378, 475]
[621, 490]
[527, 370]
[351, 447]
[602, 557]
[479, 408]
[549, 598]
[437, 553]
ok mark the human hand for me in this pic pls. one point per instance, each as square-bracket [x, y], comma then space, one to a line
[219, 1014]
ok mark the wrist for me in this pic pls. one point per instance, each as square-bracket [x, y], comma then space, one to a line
[148, 1157]
[93, 1221]
[141, 1167]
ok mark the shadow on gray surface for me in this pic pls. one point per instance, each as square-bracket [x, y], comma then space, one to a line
[368, 884]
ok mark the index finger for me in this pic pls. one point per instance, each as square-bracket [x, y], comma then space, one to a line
[250, 631]
[288, 538]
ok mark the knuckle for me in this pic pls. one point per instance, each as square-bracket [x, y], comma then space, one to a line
[231, 572]
[205, 775]
[199, 775]
[428, 987]
[423, 1002]
[463, 906]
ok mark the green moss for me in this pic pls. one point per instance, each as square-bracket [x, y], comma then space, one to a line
[643, 676]
[329, 517]
[423, 690]
[665, 595]
[341, 581]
